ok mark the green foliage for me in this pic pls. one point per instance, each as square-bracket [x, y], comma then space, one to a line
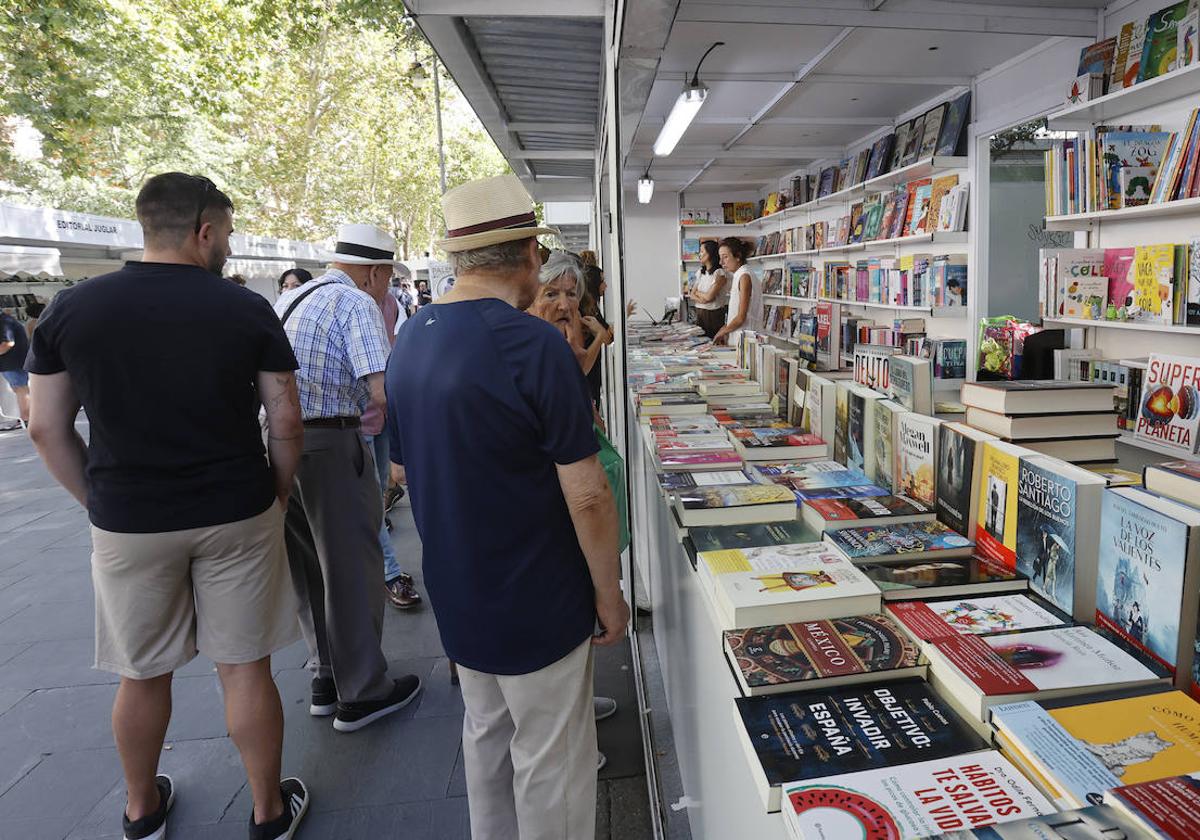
[305, 111]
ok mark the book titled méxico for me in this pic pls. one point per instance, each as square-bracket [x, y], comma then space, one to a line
[1149, 576]
[811, 734]
[1170, 411]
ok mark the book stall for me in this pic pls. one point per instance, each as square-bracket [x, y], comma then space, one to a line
[919, 568]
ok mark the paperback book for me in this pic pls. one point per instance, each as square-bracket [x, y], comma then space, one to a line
[833, 514]
[911, 380]
[886, 418]
[1099, 822]
[927, 621]
[673, 482]
[734, 504]
[1165, 808]
[900, 542]
[1178, 480]
[996, 528]
[812, 734]
[960, 460]
[1149, 575]
[860, 434]
[956, 793]
[1058, 529]
[951, 578]
[820, 654]
[781, 584]
[755, 535]
[1086, 749]
[980, 672]
[916, 457]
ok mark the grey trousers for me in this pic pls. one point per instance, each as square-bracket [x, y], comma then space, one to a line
[529, 751]
[332, 531]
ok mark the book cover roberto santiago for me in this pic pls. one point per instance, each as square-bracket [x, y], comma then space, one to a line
[806, 735]
[1046, 533]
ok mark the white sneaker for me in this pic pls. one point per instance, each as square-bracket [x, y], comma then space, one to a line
[601, 760]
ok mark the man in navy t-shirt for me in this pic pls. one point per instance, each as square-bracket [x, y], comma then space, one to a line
[491, 419]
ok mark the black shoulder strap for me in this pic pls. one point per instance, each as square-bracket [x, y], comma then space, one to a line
[292, 306]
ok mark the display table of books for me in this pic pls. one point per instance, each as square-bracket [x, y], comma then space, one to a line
[998, 659]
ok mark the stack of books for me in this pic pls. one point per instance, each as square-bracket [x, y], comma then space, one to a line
[1073, 421]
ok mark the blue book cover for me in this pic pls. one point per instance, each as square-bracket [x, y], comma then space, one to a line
[1046, 533]
[1071, 765]
[1139, 592]
[811, 734]
[897, 539]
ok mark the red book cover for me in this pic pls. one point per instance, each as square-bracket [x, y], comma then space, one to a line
[1172, 805]
[983, 666]
[925, 624]
[806, 439]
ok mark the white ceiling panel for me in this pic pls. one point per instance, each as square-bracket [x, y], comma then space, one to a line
[806, 135]
[749, 48]
[906, 52]
[828, 99]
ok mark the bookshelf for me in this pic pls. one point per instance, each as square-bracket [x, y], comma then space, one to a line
[1139, 326]
[790, 298]
[1165, 89]
[924, 168]
[1129, 439]
[933, 311]
[1086, 221]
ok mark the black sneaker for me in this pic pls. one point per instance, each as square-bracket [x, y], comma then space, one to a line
[153, 826]
[354, 716]
[393, 495]
[324, 697]
[295, 805]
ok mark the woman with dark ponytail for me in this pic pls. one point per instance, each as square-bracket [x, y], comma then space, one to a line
[745, 296]
[711, 293]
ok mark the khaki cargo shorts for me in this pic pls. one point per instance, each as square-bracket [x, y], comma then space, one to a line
[224, 591]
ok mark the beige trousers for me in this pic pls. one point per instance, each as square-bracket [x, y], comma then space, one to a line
[529, 750]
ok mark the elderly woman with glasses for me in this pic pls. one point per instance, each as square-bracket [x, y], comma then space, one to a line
[563, 286]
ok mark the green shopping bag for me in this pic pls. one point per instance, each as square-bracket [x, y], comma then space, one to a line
[614, 468]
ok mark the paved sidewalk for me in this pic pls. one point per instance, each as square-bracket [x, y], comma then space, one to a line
[60, 778]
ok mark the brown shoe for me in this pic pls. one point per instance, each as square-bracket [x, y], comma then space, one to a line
[402, 592]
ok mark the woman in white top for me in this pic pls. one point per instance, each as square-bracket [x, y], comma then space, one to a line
[745, 295]
[711, 292]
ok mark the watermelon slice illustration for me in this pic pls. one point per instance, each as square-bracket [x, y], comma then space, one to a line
[841, 811]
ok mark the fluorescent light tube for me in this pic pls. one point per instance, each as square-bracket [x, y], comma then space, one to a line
[681, 116]
[645, 189]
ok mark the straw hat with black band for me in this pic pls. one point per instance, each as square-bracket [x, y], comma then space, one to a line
[488, 212]
[363, 245]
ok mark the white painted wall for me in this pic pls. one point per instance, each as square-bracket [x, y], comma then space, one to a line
[651, 251]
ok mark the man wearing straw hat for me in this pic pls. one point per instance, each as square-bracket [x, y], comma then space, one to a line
[335, 511]
[491, 420]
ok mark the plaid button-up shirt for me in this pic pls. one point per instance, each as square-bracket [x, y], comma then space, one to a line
[338, 337]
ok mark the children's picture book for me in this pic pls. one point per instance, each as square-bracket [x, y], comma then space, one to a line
[934, 118]
[967, 791]
[810, 734]
[1118, 263]
[1087, 298]
[1170, 404]
[1135, 184]
[1153, 283]
[1159, 51]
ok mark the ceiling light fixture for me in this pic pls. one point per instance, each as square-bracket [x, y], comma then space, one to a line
[645, 187]
[684, 110]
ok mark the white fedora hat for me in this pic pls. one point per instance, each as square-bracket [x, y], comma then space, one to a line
[364, 245]
[487, 212]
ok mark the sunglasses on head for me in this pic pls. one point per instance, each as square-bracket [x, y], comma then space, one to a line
[209, 188]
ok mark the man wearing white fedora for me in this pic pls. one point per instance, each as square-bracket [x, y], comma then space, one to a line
[335, 510]
[491, 421]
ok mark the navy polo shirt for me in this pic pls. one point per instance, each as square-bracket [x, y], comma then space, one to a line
[483, 401]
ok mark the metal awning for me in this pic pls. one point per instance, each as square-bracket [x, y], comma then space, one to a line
[532, 71]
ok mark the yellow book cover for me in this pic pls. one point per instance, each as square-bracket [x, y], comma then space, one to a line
[1138, 739]
[1153, 272]
[941, 186]
[996, 533]
[906, 262]
[772, 558]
